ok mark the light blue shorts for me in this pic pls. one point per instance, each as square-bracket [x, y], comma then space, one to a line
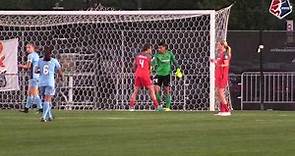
[47, 90]
[34, 83]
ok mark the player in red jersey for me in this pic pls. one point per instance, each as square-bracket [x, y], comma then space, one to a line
[2, 58]
[221, 75]
[142, 69]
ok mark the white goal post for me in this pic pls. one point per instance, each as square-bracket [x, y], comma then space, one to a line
[96, 49]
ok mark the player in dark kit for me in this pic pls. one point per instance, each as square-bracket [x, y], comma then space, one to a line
[162, 65]
[142, 69]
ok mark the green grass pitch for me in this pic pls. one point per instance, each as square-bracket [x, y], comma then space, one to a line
[114, 133]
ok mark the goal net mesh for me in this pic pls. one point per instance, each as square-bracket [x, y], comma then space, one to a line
[97, 51]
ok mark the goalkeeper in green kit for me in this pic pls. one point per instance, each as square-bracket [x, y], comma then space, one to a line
[162, 66]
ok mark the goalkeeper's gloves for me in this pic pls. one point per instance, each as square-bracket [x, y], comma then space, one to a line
[178, 73]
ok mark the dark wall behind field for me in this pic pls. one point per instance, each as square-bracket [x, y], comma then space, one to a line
[278, 56]
[278, 52]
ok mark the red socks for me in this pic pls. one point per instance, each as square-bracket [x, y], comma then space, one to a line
[132, 103]
[224, 107]
[156, 104]
[221, 107]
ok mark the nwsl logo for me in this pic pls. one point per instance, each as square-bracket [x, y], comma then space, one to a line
[280, 8]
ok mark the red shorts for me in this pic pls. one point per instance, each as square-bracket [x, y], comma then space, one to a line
[221, 81]
[143, 81]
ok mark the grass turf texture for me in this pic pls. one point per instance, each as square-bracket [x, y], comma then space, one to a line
[112, 133]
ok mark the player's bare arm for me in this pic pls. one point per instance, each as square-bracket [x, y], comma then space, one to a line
[60, 74]
[25, 66]
[134, 66]
[225, 63]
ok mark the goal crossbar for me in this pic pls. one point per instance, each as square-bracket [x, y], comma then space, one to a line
[149, 12]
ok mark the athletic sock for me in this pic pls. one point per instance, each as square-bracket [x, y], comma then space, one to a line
[168, 101]
[38, 101]
[49, 114]
[29, 102]
[226, 108]
[132, 103]
[156, 104]
[45, 110]
[222, 108]
[158, 96]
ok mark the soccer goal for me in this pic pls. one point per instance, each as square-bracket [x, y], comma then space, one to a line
[97, 49]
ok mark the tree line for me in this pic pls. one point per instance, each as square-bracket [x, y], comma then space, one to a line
[245, 14]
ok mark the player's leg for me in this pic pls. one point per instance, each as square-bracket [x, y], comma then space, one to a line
[157, 86]
[133, 97]
[137, 86]
[41, 90]
[167, 93]
[151, 90]
[167, 96]
[224, 109]
[158, 93]
[46, 108]
[45, 111]
[147, 83]
[35, 94]
[51, 92]
[50, 114]
[223, 84]
[220, 94]
[221, 98]
[48, 94]
[29, 101]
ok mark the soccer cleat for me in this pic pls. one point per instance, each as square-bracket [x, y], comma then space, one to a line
[26, 110]
[131, 108]
[43, 120]
[167, 109]
[218, 114]
[50, 119]
[231, 108]
[39, 111]
[223, 114]
[159, 109]
[226, 114]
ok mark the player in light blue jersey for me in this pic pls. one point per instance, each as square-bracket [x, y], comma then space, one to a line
[32, 94]
[47, 67]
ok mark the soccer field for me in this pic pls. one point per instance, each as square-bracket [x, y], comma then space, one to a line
[112, 133]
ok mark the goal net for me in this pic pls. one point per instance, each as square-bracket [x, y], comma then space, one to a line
[97, 48]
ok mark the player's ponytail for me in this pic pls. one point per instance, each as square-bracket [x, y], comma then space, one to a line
[224, 44]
